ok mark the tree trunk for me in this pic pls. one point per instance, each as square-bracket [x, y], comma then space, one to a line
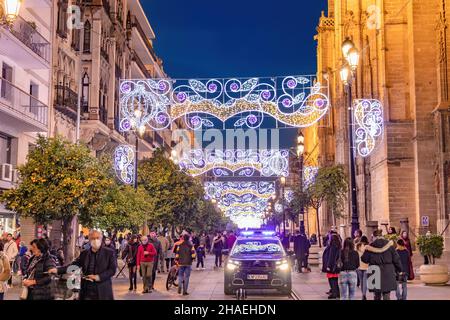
[318, 228]
[68, 229]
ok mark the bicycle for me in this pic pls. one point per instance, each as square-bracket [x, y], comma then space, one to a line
[172, 278]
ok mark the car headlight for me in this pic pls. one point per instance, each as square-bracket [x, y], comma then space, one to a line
[282, 265]
[232, 265]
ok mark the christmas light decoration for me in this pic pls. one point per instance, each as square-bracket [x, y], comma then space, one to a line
[288, 195]
[368, 124]
[218, 190]
[124, 163]
[295, 101]
[309, 175]
[279, 207]
[255, 246]
[242, 163]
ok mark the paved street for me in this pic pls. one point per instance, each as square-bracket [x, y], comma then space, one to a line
[208, 285]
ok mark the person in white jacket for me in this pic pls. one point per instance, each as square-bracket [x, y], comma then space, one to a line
[5, 271]
[11, 251]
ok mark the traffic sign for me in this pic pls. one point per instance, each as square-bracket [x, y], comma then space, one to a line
[425, 221]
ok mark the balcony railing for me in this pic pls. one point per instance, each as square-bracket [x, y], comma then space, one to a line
[29, 36]
[15, 98]
[66, 101]
[141, 65]
[137, 25]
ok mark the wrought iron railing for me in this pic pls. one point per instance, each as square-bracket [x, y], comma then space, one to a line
[66, 101]
[16, 99]
[137, 25]
[28, 35]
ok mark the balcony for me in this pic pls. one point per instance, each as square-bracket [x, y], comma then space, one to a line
[140, 66]
[35, 55]
[146, 46]
[66, 101]
[21, 110]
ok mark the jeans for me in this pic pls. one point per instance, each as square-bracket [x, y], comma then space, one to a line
[218, 261]
[402, 290]
[347, 284]
[184, 273]
[147, 270]
[362, 276]
[162, 260]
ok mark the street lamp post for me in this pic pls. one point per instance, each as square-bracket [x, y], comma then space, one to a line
[300, 153]
[283, 183]
[347, 73]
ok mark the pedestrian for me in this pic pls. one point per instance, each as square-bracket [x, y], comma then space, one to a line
[153, 239]
[11, 251]
[201, 253]
[170, 255]
[348, 277]
[402, 278]
[231, 240]
[217, 249]
[363, 267]
[129, 255]
[392, 231]
[110, 244]
[36, 284]
[145, 259]
[208, 243]
[165, 244]
[357, 236]
[313, 239]
[331, 256]
[5, 271]
[195, 240]
[301, 248]
[98, 266]
[381, 253]
[184, 256]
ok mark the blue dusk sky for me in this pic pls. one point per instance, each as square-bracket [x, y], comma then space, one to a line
[235, 38]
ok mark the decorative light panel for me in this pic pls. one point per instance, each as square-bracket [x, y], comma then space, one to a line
[220, 189]
[309, 175]
[124, 162]
[288, 195]
[296, 101]
[241, 163]
[368, 124]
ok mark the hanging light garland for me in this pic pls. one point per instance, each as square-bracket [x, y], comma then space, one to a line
[124, 159]
[368, 124]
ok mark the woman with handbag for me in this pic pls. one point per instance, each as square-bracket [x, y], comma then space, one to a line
[331, 260]
[37, 282]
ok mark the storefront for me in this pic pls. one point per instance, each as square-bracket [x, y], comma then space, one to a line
[7, 220]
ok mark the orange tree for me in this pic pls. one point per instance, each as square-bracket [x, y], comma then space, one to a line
[60, 181]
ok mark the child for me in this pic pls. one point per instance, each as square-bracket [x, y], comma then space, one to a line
[201, 253]
[402, 279]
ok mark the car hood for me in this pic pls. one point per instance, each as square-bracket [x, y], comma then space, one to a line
[253, 257]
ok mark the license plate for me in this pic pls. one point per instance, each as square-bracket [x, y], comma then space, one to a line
[257, 277]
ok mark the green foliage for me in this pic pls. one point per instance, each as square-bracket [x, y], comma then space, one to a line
[176, 196]
[392, 237]
[59, 180]
[123, 208]
[431, 245]
[330, 186]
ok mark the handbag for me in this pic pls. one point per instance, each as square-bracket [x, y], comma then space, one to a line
[25, 290]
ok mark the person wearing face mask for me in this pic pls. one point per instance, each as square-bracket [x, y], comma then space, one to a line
[109, 244]
[145, 261]
[98, 265]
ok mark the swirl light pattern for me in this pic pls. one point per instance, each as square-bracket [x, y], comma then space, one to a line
[241, 163]
[309, 175]
[369, 125]
[219, 190]
[296, 101]
[124, 163]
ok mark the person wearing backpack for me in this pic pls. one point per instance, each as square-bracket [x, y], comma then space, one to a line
[145, 260]
[348, 277]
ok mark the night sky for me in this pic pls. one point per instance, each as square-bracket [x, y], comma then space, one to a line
[235, 38]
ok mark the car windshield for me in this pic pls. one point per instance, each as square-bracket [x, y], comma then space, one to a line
[257, 246]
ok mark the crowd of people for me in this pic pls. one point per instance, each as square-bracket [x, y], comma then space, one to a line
[358, 262]
[97, 255]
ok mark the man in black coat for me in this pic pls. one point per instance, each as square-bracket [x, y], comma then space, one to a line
[301, 249]
[381, 253]
[98, 265]
[153, 239]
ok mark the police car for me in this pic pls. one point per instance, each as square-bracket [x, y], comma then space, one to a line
[258, 261]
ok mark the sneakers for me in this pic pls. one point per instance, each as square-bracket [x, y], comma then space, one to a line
[185, 294]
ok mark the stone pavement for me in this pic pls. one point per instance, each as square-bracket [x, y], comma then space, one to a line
[208, 285]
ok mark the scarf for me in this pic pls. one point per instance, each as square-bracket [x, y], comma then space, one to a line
[32, 267]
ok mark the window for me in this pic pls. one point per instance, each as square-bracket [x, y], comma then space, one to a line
[61, 27]
[34, 98]
[85, 93]
[5, 149]
[87, 37]
[6, 83]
